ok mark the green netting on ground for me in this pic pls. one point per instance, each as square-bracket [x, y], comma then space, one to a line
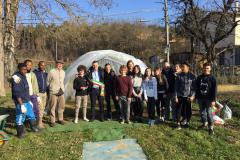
[100, 131]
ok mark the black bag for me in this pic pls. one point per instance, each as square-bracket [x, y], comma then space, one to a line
[60, 92]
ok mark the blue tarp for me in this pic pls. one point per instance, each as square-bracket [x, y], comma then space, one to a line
[125, 149]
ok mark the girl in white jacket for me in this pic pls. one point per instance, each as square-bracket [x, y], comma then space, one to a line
[150, 94]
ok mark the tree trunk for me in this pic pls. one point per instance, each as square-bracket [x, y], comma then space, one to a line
[2, 86]
[10, 14]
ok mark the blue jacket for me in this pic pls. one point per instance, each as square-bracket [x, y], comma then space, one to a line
[42, 80]
[21, 89]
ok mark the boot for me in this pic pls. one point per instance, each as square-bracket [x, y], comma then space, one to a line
[20, 131]
[33, 126]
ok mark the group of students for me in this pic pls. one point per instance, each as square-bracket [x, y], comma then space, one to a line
[32, 90]
[167, 91]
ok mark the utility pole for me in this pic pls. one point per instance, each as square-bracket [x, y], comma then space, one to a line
[166, 17]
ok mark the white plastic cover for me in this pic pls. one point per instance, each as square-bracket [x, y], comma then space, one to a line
[116, 59]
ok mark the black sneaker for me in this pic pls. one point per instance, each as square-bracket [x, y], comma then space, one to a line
[62, 122]
[52, 124]
[210, 132]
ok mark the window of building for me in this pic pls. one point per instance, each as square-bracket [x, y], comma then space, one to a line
[237, 55]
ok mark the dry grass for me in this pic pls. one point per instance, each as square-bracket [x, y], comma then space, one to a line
[228, 88]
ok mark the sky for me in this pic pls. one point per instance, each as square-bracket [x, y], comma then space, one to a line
[146, 11]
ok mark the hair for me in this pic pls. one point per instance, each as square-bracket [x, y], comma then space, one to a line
[145, 73]
[161, 78]
[40, 62]
[157, 68]
[94, 62]
[137, 74]
[122, 67]
[130, 61]
[21, 65]
[82, 68]
[27, 60]
[186, 63]
[207, 64]
[107, 64]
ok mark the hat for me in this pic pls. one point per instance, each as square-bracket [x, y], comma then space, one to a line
[60, 61]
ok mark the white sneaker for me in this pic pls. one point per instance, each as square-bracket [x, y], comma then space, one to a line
[76, 120]
[184, 122]
[85, 119]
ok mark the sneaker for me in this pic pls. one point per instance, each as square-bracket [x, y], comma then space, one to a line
[179, 127]
[163, 119]
[62, 122]
[122, 122]
[85, 119]
[52, 124]
[152, 122]
[76, 120]
[210, 132]
[204, 125]
[128, 122]
[186, 125]
[184, 122]
[149, 121]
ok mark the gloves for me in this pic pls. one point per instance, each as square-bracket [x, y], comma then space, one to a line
[30, 103]
[16, 79]
[23, 108]
[39, 100]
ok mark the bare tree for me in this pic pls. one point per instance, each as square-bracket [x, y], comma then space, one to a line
[209, 21]
[40, 10]
[2, 90]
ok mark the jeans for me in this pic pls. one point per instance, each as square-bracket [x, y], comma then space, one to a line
[160, 105]
[206, 111]
[151, 108]
[170, 105]
[137, 105]
[184, 108]
[94, 96]
[109, 109]
[81, 101]
[124, 108]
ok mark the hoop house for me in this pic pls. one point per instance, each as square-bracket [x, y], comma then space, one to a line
[116, 59]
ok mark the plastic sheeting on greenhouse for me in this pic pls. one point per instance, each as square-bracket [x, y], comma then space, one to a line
[116, 59]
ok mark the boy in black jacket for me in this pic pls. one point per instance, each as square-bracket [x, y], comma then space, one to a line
[206, 90]
[80, 84]
[109, 81]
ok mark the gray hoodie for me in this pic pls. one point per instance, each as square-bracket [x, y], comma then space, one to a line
[185, 85]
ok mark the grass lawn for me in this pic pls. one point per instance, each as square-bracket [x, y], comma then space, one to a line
[158, 142]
